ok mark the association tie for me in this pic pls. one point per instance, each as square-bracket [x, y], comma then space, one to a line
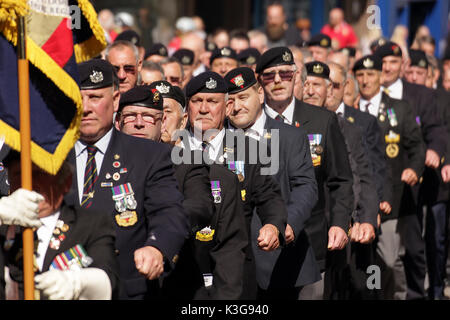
[279, 118]
[90, 177]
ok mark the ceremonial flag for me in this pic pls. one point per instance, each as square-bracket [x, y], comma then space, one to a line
[59, 34]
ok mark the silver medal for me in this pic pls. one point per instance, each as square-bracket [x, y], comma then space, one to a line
[131, 202]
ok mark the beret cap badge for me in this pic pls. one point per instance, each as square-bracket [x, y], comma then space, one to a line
[211, 84]
[96, 76]
[238, 81]
[225, 52]
[422, 63]
[185, 60]
[318, 69]
[162, 51]
[155, 95]
[367, 63]
[324, 42]
[287, 57]
[251, 60]
[163, 88]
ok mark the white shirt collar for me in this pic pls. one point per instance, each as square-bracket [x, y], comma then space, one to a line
[395, 90]
[257, 129]
[44, 234]
[101, 144]
[375, 104]
[213, 145]
[288, 113]
[341, 109]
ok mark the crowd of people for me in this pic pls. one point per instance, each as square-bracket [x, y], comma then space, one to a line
[268, 164]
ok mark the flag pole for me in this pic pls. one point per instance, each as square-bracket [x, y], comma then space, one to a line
[25, 155]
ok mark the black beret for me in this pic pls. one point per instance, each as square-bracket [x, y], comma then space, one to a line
[240, 79]
[321, 40]
[185, 56]
[96, 74]
[210, 46]
[249, 56]
[208, 81]
[274, 57]
[169, 91]
[129, 35]
[389, 49]
[374, 45]
[350, 51]
[156, 49]
[418, 58]
[142, 96]
[225, 52]
[371, 61]
[317, 69]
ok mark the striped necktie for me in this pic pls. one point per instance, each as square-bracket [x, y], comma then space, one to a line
[90, 176]
[279, 118]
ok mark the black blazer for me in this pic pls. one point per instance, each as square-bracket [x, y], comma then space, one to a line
[411, 154]
[92, 229]
[366, 199]
[374, 142]
[423, 102]
[333, 173]
[295, 264]
[161, 220]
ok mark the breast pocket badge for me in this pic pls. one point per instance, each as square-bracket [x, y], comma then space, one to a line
[392, 139]
[315, 148]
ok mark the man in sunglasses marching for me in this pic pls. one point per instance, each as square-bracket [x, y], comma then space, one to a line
[276, 71]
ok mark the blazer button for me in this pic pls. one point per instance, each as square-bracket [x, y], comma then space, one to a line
[117, 252]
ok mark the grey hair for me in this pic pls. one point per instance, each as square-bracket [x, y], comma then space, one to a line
[340, 68]
[120, 44]
[303, 74]
[153, 66]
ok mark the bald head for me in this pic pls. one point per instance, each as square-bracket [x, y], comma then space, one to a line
[336, 16]
[194, 42]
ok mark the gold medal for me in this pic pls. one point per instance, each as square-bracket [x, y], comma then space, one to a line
[240, 177]
[392, 150]
[126, 219]
[318, 149]
[382, 117]
[65, 228]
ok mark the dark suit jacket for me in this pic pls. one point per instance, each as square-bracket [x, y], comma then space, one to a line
[295, 264]
[411, 154]
[161, 220]
[333, 173]
[92, 229]
[374, 142]
[223, 256]
[366, 200]
[424, 104]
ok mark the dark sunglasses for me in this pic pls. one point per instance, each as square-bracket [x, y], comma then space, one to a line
[285, 75]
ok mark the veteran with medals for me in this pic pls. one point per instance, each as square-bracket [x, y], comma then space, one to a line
[405, 153]
[130, 179]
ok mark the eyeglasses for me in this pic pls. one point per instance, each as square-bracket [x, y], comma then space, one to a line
[285, 75]
[336, 85]
[127, 68]
[146, 117]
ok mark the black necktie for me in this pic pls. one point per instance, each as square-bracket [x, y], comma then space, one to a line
[90, 176]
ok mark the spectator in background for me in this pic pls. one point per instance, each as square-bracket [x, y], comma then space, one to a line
[400, 37]
[304, 27]
[196, 44]
[199, 26]
[124, 21]
[433, 72]
[320, 47]
[446, 80]
[278, 31]
[340, 32]
[421, 32]
[173, 71]
[186, 58]
[341, 58]
[133, 37]
[156, 53]
[223, 60]
[427, 44]
[221, 38]
[249, 58]
[106, 20]
[183, 25]
[258, 40]
[351, 91]
[239, 40]
[151, 72]
[209, 48]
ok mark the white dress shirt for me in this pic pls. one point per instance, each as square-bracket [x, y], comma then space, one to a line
[288, 113]
[373, 106]
[44, 234]
[395, 90]
[81, 156]
[256, 131]
[341, 109]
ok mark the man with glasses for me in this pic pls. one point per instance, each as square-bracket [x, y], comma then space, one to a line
[173, 71]
[124, 56]
[276, 71]
[140, 119]
[129, 179]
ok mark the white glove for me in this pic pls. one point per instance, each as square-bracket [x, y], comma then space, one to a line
[83, 284]
[21, 208]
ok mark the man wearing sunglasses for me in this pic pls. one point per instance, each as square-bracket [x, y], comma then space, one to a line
[276, 71]
[124, 56]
